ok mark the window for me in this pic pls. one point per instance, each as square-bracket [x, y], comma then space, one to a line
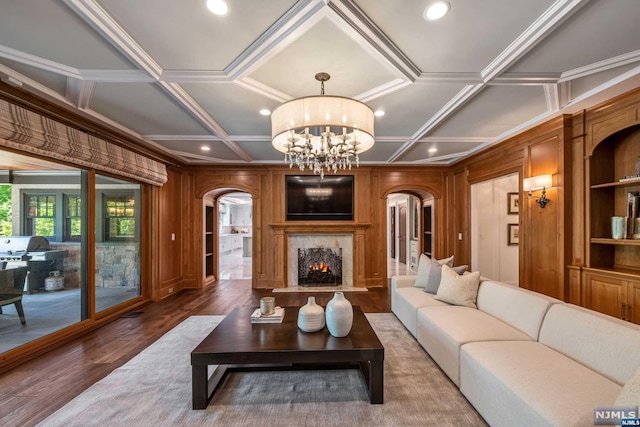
[73, 218]
[120, 217]
[41, 215]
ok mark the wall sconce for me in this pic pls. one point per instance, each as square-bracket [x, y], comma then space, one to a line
[536, 183]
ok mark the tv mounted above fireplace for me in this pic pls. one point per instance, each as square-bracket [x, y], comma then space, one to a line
[310, 198]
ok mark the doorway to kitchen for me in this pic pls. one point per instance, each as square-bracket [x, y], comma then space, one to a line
[235, 236]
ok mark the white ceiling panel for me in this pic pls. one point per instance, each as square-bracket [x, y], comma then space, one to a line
[600, 30]
[50, 30]
[494, 111]
[465, 40]
[408, 109]
[261, 150]
[184, 35]
[324, 48]
[235, 108]
[148, 109]
[380, 152]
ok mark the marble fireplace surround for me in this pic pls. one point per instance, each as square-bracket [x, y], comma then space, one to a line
[289, 237]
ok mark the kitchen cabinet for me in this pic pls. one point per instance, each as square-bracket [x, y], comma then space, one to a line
[229, 242]
[613, 295]
[240, 215]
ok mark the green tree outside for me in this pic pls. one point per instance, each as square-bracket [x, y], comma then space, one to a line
[5, 211]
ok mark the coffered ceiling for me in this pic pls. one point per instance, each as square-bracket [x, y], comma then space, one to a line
[179, 78]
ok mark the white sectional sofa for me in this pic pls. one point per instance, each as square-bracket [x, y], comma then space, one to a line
[522, 358]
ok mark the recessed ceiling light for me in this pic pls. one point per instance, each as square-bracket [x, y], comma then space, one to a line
[379, 113]
[218, 7]
[432, 150]
[205, 148]
[436, 10]
[265, 112]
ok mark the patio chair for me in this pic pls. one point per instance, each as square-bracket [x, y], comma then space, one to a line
[11, 285]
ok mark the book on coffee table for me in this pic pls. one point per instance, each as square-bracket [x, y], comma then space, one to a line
[276, 317]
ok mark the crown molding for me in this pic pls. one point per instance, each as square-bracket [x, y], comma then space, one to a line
[79, 92]
[116, 76]
[194, 76]
[37, 62]
[600, 66]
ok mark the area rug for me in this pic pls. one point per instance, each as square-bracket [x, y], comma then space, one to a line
[154, 389]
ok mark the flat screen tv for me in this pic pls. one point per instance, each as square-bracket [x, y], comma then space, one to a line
[310, 198]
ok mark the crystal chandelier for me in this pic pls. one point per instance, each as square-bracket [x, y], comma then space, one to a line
[322, 133]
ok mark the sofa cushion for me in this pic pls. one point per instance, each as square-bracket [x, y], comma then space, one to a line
[458, 289]
[518, 383]
[424, 265]
[630, 394]
[518, 307]
[406, 303]
[442, 330]
[435, 275]
[603, 343]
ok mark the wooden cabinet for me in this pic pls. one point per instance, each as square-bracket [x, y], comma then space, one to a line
[614, 295]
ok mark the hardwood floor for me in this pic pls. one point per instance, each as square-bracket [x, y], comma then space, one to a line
[36, 389]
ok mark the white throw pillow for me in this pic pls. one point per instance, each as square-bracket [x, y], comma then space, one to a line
[458, 289]
[630, 394]
[424, 266]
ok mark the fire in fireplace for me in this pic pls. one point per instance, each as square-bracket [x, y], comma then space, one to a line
[320, 267]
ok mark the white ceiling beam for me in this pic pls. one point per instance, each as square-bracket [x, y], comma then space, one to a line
[37, 62]
[116, 76]
[436, 78]
[600, 66]
[538, 31]
[551, 96]
[194, 76]
[525, 79]
[79, 92]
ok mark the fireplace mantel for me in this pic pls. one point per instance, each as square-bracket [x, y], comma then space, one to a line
[282, 230]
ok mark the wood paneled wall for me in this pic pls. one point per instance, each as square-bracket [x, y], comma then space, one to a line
[544, 149]
[180, 205]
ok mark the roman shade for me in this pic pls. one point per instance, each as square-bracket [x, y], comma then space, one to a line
[24, 130]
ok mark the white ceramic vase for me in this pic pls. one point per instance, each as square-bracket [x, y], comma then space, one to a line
[311, 316]
[339, 315]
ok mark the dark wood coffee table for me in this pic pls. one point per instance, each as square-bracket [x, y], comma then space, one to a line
[238, 344]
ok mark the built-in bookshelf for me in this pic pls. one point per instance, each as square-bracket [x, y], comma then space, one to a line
[209, 240]
[612, 270]
[427, 227]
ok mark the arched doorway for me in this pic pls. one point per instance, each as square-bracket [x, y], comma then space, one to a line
[409, 230]
[234, 236]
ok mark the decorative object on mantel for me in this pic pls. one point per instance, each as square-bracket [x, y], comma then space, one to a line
[636, 233]
[276, 317]
[322, 133]
[619, 227]
[311, 316]
[339, 315]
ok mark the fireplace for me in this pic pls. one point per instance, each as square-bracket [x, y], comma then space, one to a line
[319, 266]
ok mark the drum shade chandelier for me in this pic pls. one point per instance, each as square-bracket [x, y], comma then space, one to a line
[322, 133]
